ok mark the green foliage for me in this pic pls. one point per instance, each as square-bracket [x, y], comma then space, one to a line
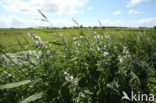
[85, 67]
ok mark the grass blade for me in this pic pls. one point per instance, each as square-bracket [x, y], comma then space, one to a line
[42, 14]
[33, 97]
[16, 84]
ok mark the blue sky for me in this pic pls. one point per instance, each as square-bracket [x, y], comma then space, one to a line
[129, 13]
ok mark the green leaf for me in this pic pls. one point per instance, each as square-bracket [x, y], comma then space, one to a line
[16, 84]
[33, 97]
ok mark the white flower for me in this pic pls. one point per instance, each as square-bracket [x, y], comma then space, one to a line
[5, 72]
[65, 73]
[69, 78]
[110, 86]
[107, 37]
[98, 49]
[76, 43]
[106, 53]
[119, 56]
[81, 37]
[37, 37]
[75, 38]
[121, 60]
[125, 47]
[127, 52]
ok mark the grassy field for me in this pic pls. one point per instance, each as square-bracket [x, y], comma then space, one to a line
[10, 38]
[77, 65]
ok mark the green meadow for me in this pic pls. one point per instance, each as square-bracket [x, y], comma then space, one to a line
[12, 39]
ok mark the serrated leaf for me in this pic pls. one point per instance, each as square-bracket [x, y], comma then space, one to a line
[16, 84]
[33, 97]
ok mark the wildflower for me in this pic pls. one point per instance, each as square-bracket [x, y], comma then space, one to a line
[81, 37]
[97, 38]
[65, 73]
[5, 72]
[75, 38]
[106, 53]
[37, 37]
[69, 78]
[110, 86]
[76, 43]
[127, 52]
[94, 34]
[63, 39]
[107, 37]
[98, 49]
[125, 47]
[121, 60]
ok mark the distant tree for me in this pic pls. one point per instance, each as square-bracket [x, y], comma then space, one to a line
[154, 27]
[95, 27]
[81, 26]
[103, 27]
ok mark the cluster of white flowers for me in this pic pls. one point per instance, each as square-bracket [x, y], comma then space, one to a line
[97, 37]
[75, 41]
[125, 56]
[68, 77]
[125, 51]
[106, 53]
[121, 59]
[38, 40]
[63, 39]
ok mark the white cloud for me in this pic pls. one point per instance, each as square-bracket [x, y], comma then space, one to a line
[47, 6]
[90, 8]
[134, 12]
[117, 12]
[135, 2]
[17, 22]
[148, 22]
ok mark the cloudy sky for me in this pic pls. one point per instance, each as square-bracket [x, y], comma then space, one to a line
[130, 13]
